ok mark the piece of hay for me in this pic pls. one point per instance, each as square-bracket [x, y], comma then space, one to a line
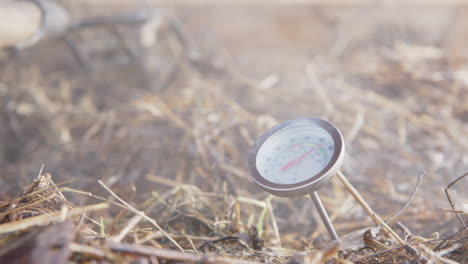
[42, 196]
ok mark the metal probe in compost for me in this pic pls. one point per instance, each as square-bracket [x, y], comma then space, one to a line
[297, 157]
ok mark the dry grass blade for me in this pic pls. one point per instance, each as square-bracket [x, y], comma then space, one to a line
[357, 125]
[413, 194]
[90, 250]
[273, 221]
[142, 214]
[377, 218]
[452, 204]
[319, 88]
[46, 219]
[367, 208]
[130, 225]
[184, 257]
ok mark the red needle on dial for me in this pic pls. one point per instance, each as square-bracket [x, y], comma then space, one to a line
[299, 159]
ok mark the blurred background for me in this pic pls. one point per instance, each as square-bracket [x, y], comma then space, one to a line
[148, 95]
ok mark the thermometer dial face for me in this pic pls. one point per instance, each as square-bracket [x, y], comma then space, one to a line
[293, 155]
[296, 157]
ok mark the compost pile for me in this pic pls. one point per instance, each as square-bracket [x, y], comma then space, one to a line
[146, 141]
[195, 227]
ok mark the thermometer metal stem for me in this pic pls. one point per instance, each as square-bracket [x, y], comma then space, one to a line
[323, 214]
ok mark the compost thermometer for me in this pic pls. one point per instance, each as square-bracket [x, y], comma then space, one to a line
[297, 157]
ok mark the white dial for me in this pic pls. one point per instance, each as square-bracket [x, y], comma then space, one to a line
[295, 154]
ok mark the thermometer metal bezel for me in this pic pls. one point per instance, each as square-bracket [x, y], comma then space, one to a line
[312, 184]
